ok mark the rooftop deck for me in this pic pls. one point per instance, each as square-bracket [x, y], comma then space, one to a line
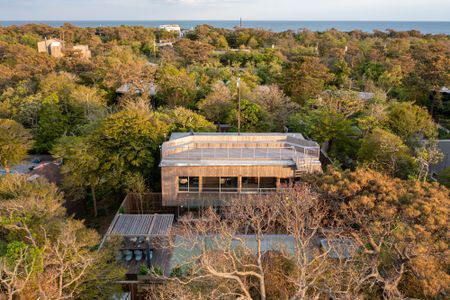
[217, 149]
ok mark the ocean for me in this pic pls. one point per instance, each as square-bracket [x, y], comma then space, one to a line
[276, 26]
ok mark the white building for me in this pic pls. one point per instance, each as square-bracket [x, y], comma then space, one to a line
[172, 28]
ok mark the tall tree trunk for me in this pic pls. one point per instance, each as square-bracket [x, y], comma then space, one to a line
[94, 199]
[262, 283]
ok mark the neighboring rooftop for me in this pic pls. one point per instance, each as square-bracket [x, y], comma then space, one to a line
[185, 250]
[130, 88]
[230, 148]
[146, 225]
[444, 147]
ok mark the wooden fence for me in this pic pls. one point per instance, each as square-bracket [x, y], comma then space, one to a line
[148, 203]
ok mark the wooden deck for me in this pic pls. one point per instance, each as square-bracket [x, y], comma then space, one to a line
[234, 153]
[258, 146]
[161, 258]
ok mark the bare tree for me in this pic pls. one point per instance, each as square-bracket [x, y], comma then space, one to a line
[260, 245]
[227, 247]
[16, 274]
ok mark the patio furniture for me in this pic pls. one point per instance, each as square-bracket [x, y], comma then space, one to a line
[150, 255]
[128, 255]
[138, 255]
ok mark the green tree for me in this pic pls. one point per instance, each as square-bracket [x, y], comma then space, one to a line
[15, 142]
[276, 105]
[21, 104]
[386, 152]
[182, 119]
[329, 128]
[48, 253]
[123, 143]
[251, 114]
[176, 87]
[81, 168]
[217, 104]
[65, 107]
[342, 73]
[410, 122]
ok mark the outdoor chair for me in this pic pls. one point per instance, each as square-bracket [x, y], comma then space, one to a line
[138, 255]
[128, 255]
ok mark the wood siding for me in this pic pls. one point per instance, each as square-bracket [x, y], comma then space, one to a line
[169, 176]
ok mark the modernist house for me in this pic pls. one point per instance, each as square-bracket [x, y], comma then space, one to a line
[209, 169]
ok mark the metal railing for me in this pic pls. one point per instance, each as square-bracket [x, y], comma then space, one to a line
[193, 152]
[216, 191]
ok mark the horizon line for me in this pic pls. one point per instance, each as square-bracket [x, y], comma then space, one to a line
[214, 20]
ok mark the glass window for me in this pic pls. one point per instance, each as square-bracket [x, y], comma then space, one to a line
[268, 182]
[249, 183]
[193, 184]
[285, 182]
[188, 184]
[183, 184]
[211, 184]
[228, 184]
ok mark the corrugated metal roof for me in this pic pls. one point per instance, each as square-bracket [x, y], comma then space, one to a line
[141, 225]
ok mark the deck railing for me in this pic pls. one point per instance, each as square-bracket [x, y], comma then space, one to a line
[215, 191]
[194, 152]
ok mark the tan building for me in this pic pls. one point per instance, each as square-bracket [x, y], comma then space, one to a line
[52, 47]
[209, 169]
[82, 50]
[55, 48]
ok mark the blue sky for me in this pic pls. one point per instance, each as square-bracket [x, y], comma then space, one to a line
[402, 10]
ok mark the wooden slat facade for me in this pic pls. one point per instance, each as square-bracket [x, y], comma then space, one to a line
[282, 156]
[170, 175]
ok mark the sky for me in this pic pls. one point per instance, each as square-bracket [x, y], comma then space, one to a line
[370, 10]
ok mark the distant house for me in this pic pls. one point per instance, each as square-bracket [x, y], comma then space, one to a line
[82, 50]
[210, 169]
[50, 170]
[130, 88]
[172, 28]
[56, 48]
[53, 47]
[366, 96]
[35, 166]
[445, 90]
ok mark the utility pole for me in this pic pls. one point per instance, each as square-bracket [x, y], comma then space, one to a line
[240, 22]
[239, 104]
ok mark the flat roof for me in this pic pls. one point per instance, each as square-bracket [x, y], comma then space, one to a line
[177, 135]
[141, 225]
[234, 149]
[200, 163]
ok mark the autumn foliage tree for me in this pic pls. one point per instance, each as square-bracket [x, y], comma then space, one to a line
[401, 226]
[305, 78]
